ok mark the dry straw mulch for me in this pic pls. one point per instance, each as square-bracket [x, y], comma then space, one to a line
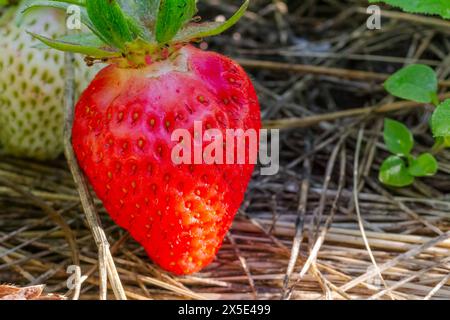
[324, 227]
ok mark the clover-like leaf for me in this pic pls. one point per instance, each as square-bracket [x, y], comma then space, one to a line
[424, 166]
[398, 138]
[416, 82]
[394, 173]
[440, 121]
[438, 7]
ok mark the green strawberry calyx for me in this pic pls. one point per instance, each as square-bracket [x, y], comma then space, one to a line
[133, 33]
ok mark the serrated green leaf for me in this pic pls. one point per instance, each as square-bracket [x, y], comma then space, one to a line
[416, 83]
[208, 29]
[394, 173]
[398, 138]
[424, 166]
[109, 19]
[172, 15]
[434, 7]
[73, 45]
[440, 121]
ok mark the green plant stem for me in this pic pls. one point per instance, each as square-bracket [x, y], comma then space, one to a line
[410, 159]
[438, 147]
[435, 100]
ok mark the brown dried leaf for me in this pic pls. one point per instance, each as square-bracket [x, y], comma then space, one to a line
[8, 292]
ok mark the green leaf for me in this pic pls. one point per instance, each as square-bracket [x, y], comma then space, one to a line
[435, 7]
[110, 21]
[172, 15]
[78, 44]
[394, 173]
[424, 166]
[398, 138]
[440, 121]
[416, 83]
[208, 29]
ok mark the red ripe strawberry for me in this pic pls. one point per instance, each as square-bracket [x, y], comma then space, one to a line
[122, 138]
[122, 135]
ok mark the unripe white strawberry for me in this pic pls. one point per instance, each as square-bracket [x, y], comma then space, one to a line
[32, 87]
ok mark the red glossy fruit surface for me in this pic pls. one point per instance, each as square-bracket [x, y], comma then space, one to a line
[122, 139]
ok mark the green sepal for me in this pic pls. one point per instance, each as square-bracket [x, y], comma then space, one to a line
[137, 30]
[87, 45]
[208, 29]
[146, 12]
[109, 19]
[61, 6]
[130, 27]
[81, 39]
[172, 15]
